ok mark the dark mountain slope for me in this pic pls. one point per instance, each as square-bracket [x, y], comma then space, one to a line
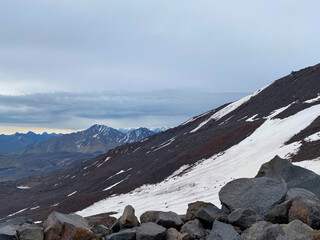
[212, 148]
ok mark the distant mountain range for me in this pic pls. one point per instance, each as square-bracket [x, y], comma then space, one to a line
[96, 139]
[15, 143]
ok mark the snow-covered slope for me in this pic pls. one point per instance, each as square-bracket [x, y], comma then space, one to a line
[192, 161]
[204, 180]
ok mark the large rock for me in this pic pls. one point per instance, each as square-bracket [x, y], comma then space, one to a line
[307, 212]
[101, 219]
[66, 226]
[149, 216]
[243, 218]
[259, 194]
[169, 220]
[128, 234]
[8, 232]
[150, 231]
[28, 231]
[8, 229]
[193, 230]
[223, 231]
[262, 231]
[279, 214]
[295, 230]
[295, 177]
[300, 194]
[204, 211]
[128, 218]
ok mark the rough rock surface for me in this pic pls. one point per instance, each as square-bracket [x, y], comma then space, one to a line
[204, 211]
[169, 219]
[259, 194]
[243, 218]
[128, 218]
[223, 231]
[123, 235]
[295, 177]
[262, 231]
[149, 216]
[279, 214]
[307, 212]
[173, 234]
[28, 231]
[64, 226]
[193, 229]
[150, 231]
[295, 230]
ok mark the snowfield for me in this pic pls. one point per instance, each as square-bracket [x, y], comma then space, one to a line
[204, 180]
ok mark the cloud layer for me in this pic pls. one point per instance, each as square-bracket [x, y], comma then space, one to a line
[125, 61]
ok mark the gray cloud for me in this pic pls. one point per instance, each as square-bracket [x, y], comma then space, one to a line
[74, 61]
[64, 109]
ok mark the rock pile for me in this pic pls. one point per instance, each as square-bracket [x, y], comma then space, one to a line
[280, 203]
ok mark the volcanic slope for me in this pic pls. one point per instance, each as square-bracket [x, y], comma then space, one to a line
[187, 163]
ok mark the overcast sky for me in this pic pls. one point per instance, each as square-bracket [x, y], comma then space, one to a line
[70, 64]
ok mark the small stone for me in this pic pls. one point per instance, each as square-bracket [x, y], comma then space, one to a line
[173, 234]
[262, 231]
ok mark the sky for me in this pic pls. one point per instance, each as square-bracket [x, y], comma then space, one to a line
[66, 65]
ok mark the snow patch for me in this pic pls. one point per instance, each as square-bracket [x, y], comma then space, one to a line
[313, 137]
[251, 119]
[113, 185]
[24, 187]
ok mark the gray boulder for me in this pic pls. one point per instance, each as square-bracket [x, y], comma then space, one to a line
[279, 214]
[169, 220]
[150, 231]
[223, 231]
[128, 218]
[295, 177]
[262, 231]
[259, 194]
[28, 231]
[66, 226]
[243, 218]
[128, 234]
[193, 230]
[149, 216]
[8, 232]
[204, 211]
[295, 230]
[300, 194]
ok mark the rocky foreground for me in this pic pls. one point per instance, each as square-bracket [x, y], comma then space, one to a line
[280, 203]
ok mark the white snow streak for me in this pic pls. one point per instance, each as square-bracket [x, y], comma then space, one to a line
[313, 99]
[251, 119]
[204, 180]
[69, 195]
[113, 185]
